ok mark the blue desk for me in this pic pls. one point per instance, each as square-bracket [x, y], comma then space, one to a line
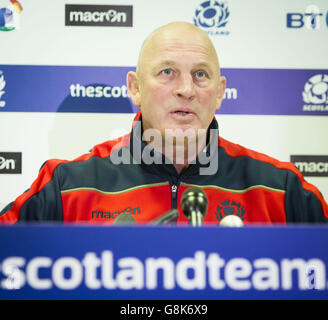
[102, 262]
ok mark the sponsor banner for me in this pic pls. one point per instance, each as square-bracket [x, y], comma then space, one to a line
[311, 166]
[10, 15]
[81, 262]
[98, 15]
[64, 89]
[212, 17]
[311, 17]
[10, 162]
[103, 90]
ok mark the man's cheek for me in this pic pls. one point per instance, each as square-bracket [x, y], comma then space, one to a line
[208, 100]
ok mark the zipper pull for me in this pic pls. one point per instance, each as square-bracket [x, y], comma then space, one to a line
[174, 190]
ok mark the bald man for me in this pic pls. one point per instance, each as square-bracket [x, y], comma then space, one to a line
[178, 87]
[173, 145]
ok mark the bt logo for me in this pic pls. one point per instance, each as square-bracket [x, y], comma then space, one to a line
[311, 18]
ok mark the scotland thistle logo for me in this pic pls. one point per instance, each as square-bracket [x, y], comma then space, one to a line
[229, 207]
[212, 17]
[316, 90]
[315, 93]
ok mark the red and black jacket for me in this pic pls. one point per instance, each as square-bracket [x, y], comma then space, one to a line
[94, 188]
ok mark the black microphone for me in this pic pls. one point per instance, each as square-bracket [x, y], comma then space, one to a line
[125, 219]
[168, 217]
[194, 205]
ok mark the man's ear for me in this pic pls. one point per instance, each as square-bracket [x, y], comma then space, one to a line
[222, 87]
[132, 83]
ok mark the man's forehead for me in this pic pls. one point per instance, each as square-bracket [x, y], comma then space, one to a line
[182, 44]
[177, 38]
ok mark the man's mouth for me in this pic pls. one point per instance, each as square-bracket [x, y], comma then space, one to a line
[184, 111]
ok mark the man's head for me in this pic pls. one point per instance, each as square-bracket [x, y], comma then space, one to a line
[177, 84]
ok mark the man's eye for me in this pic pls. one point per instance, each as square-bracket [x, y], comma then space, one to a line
[200, 74]
[167, 72]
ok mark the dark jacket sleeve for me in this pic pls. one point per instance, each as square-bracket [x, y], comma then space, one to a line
[42, 202]
[303, 202]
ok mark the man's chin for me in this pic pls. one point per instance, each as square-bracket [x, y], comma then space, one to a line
[182, 136]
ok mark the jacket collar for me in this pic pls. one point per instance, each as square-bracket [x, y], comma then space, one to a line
[157, 163]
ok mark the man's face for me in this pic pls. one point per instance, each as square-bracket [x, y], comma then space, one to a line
[179, 86]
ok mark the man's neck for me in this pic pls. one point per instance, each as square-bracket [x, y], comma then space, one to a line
[181, 155]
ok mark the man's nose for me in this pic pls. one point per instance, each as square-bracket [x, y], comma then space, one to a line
[185, 87]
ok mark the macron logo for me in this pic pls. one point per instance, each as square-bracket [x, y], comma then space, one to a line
[98, 15]
[10, 162]
[311, 166]
[100, 214]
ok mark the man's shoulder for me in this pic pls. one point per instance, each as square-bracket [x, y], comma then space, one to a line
[235, 150]
[101, 150]
[105, 149]
[265, 170]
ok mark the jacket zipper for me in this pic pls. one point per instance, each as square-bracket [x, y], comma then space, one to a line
[174, 196]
